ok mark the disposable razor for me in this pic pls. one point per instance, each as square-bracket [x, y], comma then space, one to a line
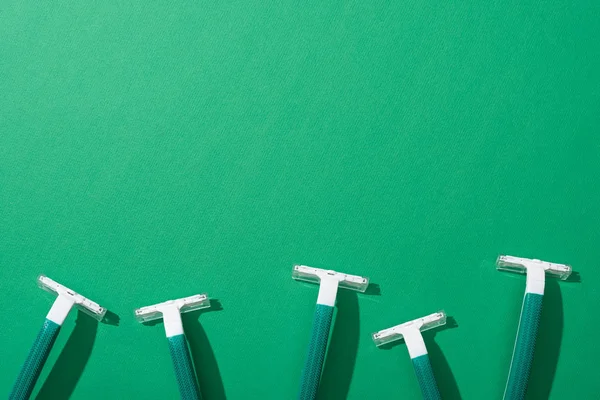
[411, 333]
[65, 300]
[531, 310]
[328, 281]
[170, 311]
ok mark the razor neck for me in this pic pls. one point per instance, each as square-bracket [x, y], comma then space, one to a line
[172, 320]
[60, 309]
[328, 290]
[536, 279]
[414, 341]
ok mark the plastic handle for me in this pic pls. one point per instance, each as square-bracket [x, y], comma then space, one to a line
[30, 372]
[311, 374]
[520, 366]
[426, 378]
[184, 369]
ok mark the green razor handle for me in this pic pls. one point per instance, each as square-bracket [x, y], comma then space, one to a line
[426, 378]
[311, 374]
[520, 367]
[184, 369]
[30, 372]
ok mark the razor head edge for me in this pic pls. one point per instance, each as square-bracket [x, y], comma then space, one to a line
[519, 265]
[314, 275]
[185, 304]
[82, 303]
[396, 332]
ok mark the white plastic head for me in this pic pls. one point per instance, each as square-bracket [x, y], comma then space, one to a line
[170, 311]
[82, 303]
[185, 304]
[397, 332]
[316, 275]
[520, 265]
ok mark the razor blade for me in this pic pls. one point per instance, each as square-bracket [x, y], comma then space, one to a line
[519, 265]
[82, 303]
[186, 304]
[315, 275]
[397, 332]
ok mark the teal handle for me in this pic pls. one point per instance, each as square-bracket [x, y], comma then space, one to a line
[184, 369]
[426, 378]
[311, 374]
[30, 372]
[522, 358]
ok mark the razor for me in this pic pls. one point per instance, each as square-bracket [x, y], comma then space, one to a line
[170, 311]
[531, 310]
[65, 300]
[329, 282]
[411, 333]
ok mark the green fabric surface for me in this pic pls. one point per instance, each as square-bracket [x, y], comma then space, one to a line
[151, 151]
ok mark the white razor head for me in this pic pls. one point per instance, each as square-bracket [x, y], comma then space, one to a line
[314, 275]
[82, 303]
[397, 332]
[520, 265]
[185, 304]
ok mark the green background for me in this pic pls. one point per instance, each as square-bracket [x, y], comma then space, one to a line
[152, 150]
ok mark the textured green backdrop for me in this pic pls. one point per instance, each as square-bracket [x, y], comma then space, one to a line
[151, 151]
